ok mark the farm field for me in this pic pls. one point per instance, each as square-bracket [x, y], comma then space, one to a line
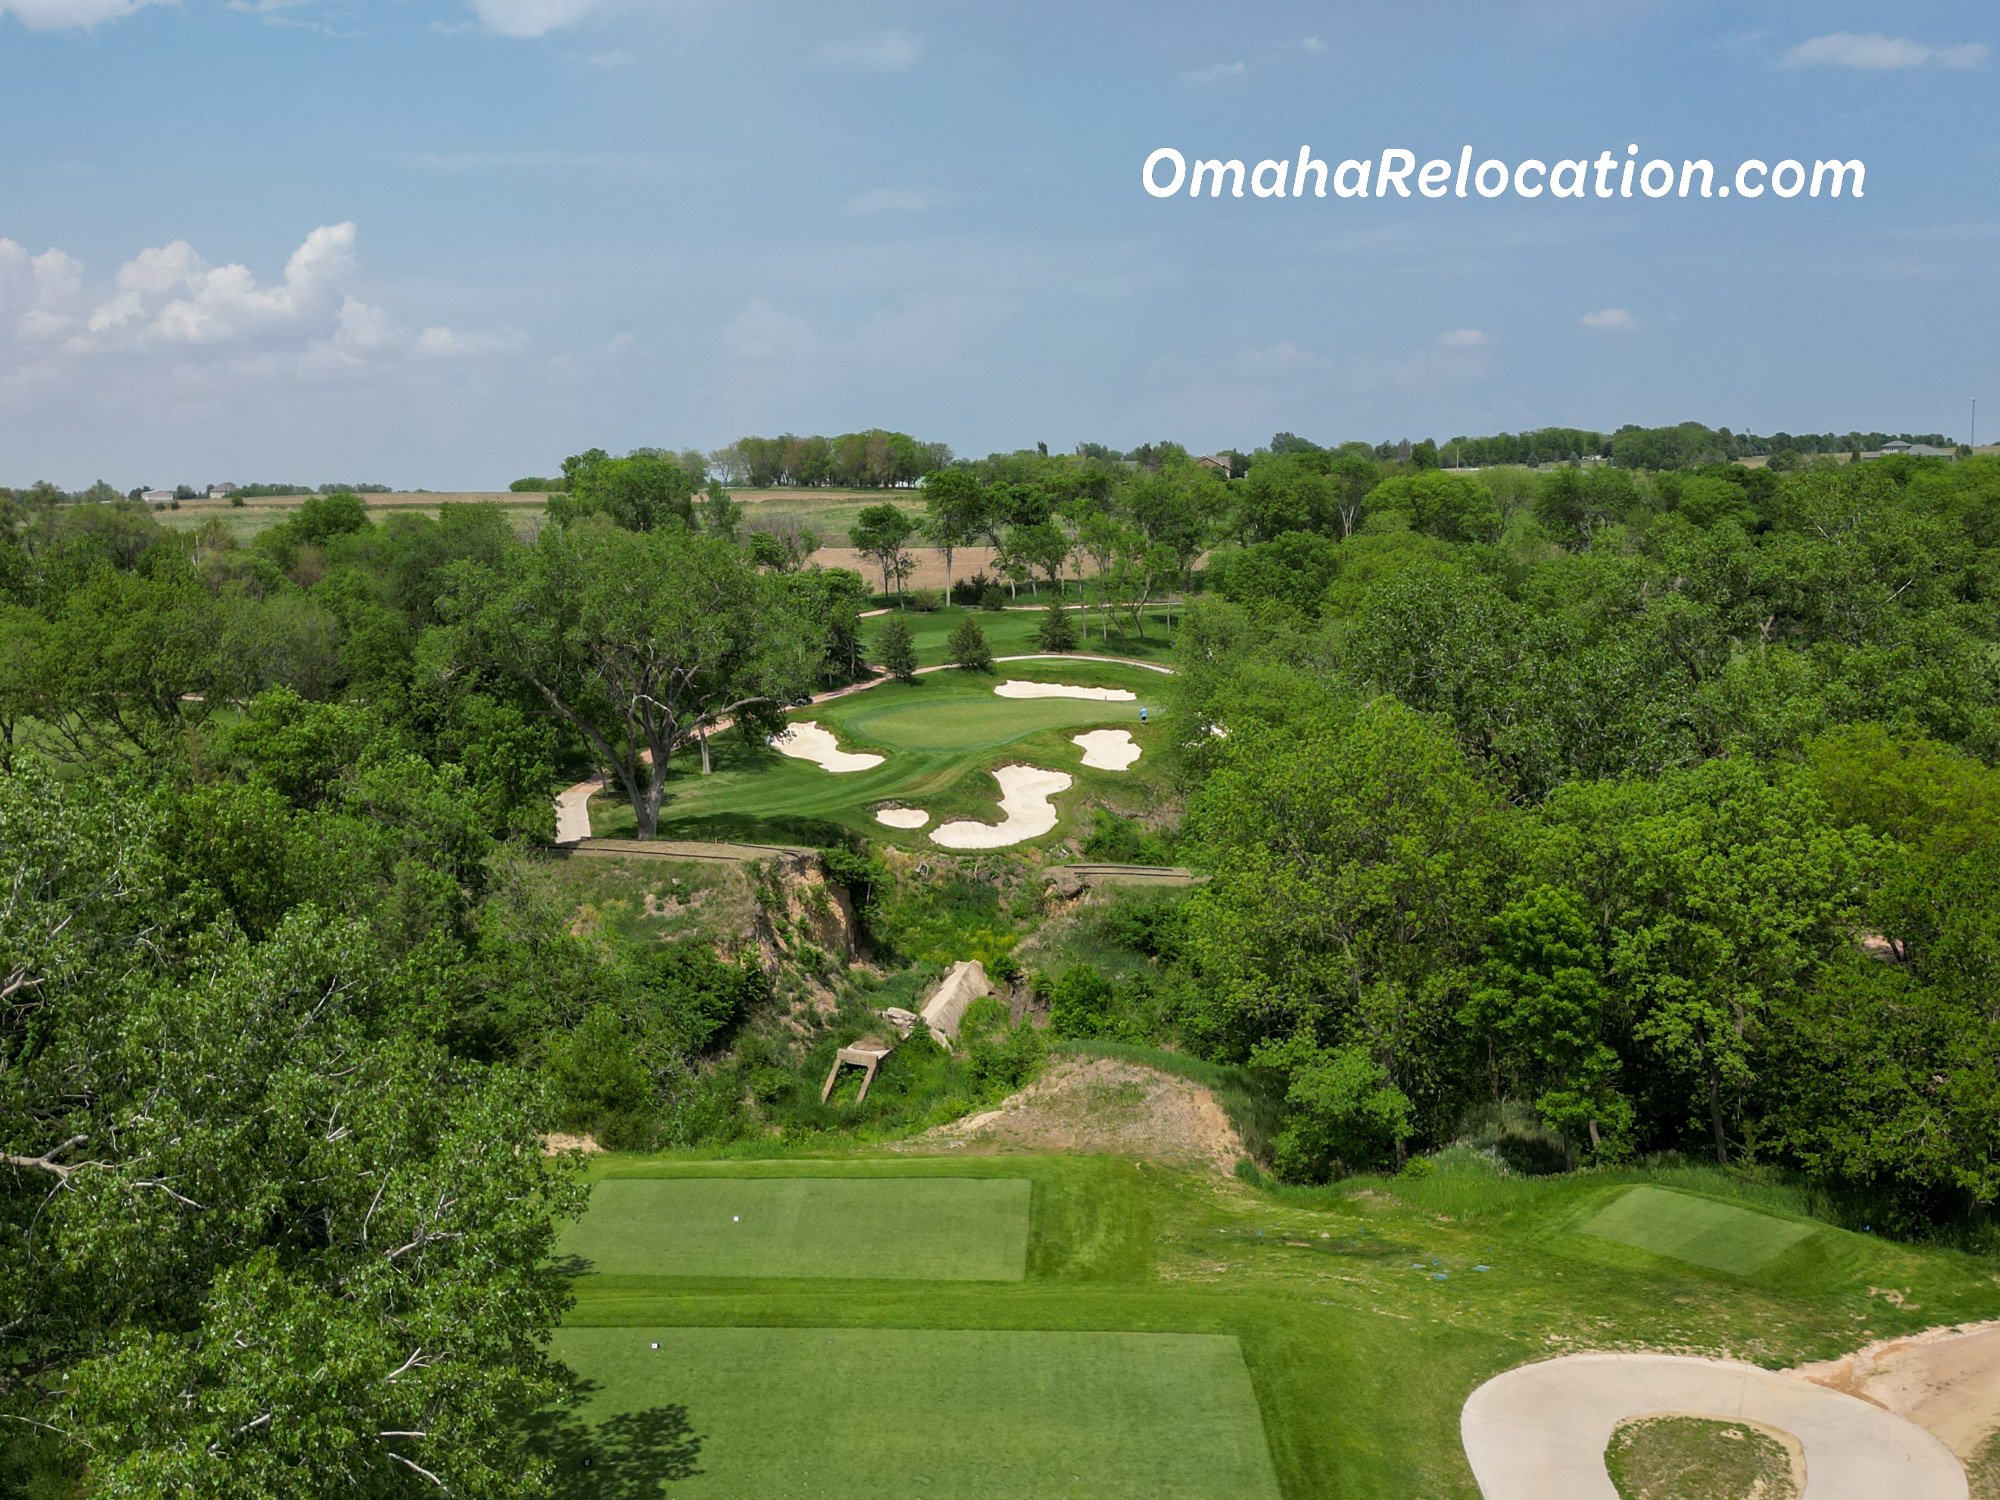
[940, 737]
[1341, 1328]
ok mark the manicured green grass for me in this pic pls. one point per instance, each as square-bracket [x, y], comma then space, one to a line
[1366, 1312]
[854, 1414]
[897, 1229]
[1700, 1231]
[1692, 1458]
[1013, 632]
[942, 736]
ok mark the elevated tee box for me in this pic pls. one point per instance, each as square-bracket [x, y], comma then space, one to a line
[1720, 1236]
[878, 1228]
[950, 1414]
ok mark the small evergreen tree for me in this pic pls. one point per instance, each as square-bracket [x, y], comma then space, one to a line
[968, 647]
[1057, 631]
[898, 649]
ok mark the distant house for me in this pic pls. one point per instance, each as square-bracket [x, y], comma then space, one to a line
[1215, 462]
[1913, 450]
[157, 497]
[221, 491]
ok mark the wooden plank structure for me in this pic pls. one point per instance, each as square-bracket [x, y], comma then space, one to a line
[866, 1054]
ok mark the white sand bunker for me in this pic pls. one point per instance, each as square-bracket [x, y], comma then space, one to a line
[1024, 798]
[1107, 749]
[1013, 689]
[902, 817]
[805, 740]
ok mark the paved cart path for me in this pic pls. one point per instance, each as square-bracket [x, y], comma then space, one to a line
[1539, 1432]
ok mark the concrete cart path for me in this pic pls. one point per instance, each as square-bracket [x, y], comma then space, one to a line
[1539, 1432]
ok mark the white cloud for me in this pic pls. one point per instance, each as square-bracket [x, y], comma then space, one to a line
[1463, 338]
[1311, 44]
[39, 292]
[60, 15]
[1874, 52]
[1215, 73]
[891, 52]
[885, 200]
[532, 18]
[1610, 320]
[212, 327]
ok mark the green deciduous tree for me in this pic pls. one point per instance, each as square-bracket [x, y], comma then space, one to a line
[641, 642]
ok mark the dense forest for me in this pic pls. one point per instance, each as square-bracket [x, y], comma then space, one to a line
[1644, 811]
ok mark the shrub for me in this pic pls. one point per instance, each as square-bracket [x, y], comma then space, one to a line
[1080, 1001]
[1057, 631]
[994, 597]
[1005, 969]
[969, 591]
[968, 647]
[926, 601]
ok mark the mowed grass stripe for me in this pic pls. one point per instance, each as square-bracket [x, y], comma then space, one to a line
[880, 1228]
[1739, 1241]
[845, 1413]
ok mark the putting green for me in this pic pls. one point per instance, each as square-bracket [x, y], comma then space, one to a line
[881, 1228]
[941, 738]
[858, 1414]
[1702, 1232]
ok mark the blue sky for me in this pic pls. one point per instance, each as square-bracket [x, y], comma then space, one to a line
[447, 242]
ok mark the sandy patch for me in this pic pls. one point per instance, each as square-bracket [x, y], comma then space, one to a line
[1015, 689]
[1107, 749]
[1105, 1106]
[557, 1142]
[1946, 1380]
[902, 817]
[805, 740]
[1024, 799]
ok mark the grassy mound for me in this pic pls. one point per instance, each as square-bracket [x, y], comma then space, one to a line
[847, 1412]
[929, 1229]
[1739, 1241]
[1692, 1458]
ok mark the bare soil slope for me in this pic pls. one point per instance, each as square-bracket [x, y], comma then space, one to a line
[1102, 1106]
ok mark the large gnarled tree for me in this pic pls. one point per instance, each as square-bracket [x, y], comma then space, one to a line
[643, 642]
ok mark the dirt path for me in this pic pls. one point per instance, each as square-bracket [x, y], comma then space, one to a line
[1098, 1105]
[1946, 1380]
[1539, 1432]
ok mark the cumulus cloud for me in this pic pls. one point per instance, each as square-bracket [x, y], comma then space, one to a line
[890, 52]
[1610, 320]
[38, 292]
[169, 303]
[1463, 338]
[1215, 73]
[61, 15]
[1873, 52]
[895, 201]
